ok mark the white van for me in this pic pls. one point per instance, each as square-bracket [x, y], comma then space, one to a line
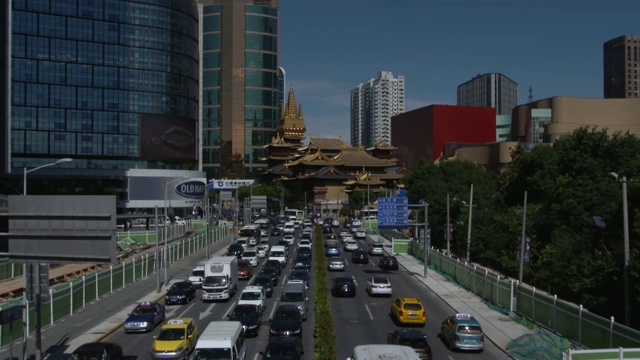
[221, 340]
[382, 351]
[278, 252]
[289, 227]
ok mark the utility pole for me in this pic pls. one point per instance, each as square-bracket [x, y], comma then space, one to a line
[448, 228]
[469, 231]
[522, 240]
[426, 238]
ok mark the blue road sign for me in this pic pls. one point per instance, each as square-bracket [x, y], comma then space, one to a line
[393, 212]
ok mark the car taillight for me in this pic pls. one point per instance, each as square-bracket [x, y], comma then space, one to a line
[400, 313]
[424, 313]
[457, 338]
[482, 338]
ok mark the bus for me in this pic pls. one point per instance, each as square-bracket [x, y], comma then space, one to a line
[298, 214]
[251, 233]
[369, 214]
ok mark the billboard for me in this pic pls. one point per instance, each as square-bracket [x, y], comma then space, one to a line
[165, 137]
[229, 184]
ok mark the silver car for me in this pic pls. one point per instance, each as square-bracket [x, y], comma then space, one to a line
[336, 264]
[376, 249]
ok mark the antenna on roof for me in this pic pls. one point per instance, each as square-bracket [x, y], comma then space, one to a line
[530, 94]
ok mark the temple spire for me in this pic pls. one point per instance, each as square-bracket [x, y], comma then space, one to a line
[291, 104]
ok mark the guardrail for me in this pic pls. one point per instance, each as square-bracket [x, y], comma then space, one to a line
[66, 299]
[563, 318]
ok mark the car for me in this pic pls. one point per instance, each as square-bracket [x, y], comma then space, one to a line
[379, 285]
[271, 273]
[306, 235]
[280, 227]
[294, 292]
[361, 234]
[251, 255]
[336, 264]
[243, 242]
[264, 233]
[413, 338]
[462, 332]
[356, 222]
[408, 311]
[343, 286]
[284, 243]
[331, 242]
[346, 238]
[175, 340]
[388, 262]
[298, 274]
[283, 348]
[235, 250]
[286, 321]
[245, 270]
[144, 317]
[331, 236]
[266, 282]
[351, 245]
[304, 252]
[304, 243]
[289, 239]
[327, 229]
[359, 257]
[273, 263]
[343, 233]
[299, 267]
[197, 274]
[332, 251]
[262, 250]
[253, 295]
[335, 223]
[304, 260]
[277, 231]
[98, 350]
[308, 224]
[180, 293]
[250, 316]
[376, 249]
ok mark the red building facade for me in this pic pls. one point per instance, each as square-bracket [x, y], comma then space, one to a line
[423, 133]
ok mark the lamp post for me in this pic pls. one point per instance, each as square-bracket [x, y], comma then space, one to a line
[469, 231]
[25, 311]
[627, 263]
[166, 234]
[523, 239]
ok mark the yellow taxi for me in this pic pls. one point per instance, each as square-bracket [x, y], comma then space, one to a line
[408, 310]
[176, 339]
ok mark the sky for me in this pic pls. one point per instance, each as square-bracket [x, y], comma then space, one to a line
[553, 47]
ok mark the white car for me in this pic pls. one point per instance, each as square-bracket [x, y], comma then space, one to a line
[264, 233]
[344, 233]
[351, 245]
[197, 274]
[360, 234]
[243, 242]
[356, 222]
[379, 285]
[335, 223]
[304, 243]
[289, 238]
[346, 238]
[251, 255]
[253, 295]
[262, 251]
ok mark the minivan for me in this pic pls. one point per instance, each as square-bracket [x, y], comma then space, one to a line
[221, 340]
[278, 252]
[294, 292]
[462, 332]
[381, 351]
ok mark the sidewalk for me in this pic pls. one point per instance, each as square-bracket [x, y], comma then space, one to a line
[498, 328]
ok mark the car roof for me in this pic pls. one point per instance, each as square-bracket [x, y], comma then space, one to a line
[95, 345]
[177, 323]
[343, 278]
[462, 318]
[412, 300]
[377, 279]
[288, 307]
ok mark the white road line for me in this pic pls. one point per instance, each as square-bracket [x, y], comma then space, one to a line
[256, 356]
[186, 308]
[273, 310]
[284, 280]
[369, 311]
[229, 310]
[203, 314]
[354, 280]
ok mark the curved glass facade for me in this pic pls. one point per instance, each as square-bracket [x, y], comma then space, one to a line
[112, 84]
[233, 136]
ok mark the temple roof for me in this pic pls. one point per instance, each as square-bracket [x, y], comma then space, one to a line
[327, 172]
[382, 145]
[317, 158]
[291, 124]
[358, 157]
[327, 144]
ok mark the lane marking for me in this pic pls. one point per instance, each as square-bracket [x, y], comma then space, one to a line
[229, 310]
[207, 312]
[369, 311]
[187, 308]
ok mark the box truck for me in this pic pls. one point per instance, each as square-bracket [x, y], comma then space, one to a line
[220, 278]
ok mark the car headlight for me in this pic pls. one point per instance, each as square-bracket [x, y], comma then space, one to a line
[296, 331]
[252, 326]
[144, 323]
[182, 296]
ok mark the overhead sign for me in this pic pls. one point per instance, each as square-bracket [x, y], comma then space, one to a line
[229, 184]
[393, 212]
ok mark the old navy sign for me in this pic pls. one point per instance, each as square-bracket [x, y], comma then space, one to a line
[191, 189]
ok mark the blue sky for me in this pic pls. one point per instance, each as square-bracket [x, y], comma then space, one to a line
[555, 47]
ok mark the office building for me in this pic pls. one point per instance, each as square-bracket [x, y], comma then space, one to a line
[241, 85]
[372, 106]
[111, 84]
[621, 60]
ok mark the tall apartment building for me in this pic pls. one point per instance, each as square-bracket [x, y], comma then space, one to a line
[241, 85]
[621, 61]
[372, 106]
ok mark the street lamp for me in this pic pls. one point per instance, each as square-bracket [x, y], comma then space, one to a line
[627, 263]
[25, 312]
[469, 231]
[166, 233]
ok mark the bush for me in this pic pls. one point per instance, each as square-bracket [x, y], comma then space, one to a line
[325, 337]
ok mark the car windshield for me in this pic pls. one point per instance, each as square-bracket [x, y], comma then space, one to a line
[179, 286]
[292, 297]
[413, 307]
[268, 271]
[469, 329]
[380, 280]
[298, 275]
[286, 316]
[253, 295]
[212, 354]
[88, 355]
[171, 334]
[142, 310]
[244, 311]
[341, 282]
[277, 254]
[199, 273]
[249, 254]
[243, 264]
[261, 281]
[215, 280]
[416, 343]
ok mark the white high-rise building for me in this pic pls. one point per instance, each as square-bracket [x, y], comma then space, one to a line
[372, 106]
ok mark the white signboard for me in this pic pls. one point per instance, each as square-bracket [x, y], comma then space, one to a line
[229, 184]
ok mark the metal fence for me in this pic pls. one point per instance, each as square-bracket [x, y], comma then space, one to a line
[563, 318]
[65, 300]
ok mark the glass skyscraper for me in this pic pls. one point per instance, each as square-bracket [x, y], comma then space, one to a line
[112, 84]
[241, 86]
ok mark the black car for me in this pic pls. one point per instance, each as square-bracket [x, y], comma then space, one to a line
[286, 321]
[303, 261]
[413, 338]
[283, 242]
[98, 350]
[359, 257]
[235, 250]
[250, 316]
[388, 263]
[276, 264]
[271, 273]
[283, 348]
[276, 232]
[299, 267]
[300, 275]
[304, 252]
[180, 293]
[265, 282]
[343, 286]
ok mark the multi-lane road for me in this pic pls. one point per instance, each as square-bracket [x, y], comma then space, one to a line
[359, 320]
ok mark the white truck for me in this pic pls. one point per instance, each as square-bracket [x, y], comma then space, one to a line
[220, 278]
